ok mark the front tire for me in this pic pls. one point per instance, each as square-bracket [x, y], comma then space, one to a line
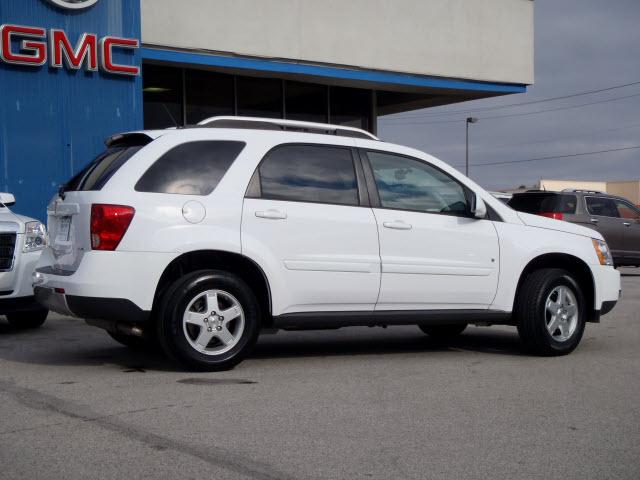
[27, 320]
[209, 320]
[550, 312]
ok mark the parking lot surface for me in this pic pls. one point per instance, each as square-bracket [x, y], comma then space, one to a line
[366, 403]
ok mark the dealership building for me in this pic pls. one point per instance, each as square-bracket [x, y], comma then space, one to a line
[74, 72]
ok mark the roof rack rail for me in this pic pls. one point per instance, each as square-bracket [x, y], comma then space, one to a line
[287, 125]
[583, 190]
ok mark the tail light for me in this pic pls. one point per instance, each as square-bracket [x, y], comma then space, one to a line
[109, 223]
[554, 215]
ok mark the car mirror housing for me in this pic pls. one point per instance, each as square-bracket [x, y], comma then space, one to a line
[478, 207]
[7, 199]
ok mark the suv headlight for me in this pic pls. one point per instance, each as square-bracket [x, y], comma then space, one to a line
[35, 236]
[603, 252]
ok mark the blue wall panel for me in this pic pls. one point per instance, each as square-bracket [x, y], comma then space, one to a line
[54, 121]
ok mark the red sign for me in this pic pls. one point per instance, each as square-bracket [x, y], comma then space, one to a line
[89, 52]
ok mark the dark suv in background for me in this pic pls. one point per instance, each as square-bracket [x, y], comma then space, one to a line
[616, 218]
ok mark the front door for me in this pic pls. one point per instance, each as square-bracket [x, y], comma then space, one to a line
[305, 221]
[434, 255]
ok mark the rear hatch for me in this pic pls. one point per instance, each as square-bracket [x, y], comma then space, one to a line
[69, 212]
[546, 204]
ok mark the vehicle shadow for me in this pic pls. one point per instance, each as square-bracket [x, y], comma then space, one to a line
[498, 342]
[61, 343]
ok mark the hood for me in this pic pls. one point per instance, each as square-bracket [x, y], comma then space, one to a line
[12, 222]
[558, 225]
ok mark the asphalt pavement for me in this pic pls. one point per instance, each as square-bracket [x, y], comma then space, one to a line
[357, 403]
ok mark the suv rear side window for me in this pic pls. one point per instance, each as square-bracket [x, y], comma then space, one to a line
[544, 203]
[309, 173]
[193, 168]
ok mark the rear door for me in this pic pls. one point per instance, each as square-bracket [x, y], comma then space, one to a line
[603, 213]
[306, 219]
[434, 254]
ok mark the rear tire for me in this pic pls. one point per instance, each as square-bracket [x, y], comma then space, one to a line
[443, 332]
[550, 312]
[27, 320]
[209, 320]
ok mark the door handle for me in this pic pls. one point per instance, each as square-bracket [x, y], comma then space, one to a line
[271, 214]
[397, 225]
[594, 220]
[626, 224]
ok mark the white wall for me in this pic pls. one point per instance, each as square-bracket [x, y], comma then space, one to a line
[490, 40]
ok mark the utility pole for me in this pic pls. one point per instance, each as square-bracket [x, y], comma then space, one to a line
[466, 163]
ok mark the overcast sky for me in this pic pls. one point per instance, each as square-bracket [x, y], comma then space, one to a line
[580, 45]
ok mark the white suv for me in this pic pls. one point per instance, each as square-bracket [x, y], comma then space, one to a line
[22, 239]
[200, 237]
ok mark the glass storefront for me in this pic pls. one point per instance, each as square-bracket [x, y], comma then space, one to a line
[181, 96]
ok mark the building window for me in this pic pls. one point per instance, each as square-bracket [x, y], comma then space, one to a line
[350, 107]
[306, 102]
[259, 97]
[208, 94]
[162, 96]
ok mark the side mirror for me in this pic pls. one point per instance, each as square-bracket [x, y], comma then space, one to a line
[7, 199]
[478, 207]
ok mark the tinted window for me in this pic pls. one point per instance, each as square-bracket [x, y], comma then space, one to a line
[626, 210]
[544, 202]
[604, 207]
[193, 168]
[207, 94]
[259, 97]
[407, 184]
[162, 96]
[309, 174]
[95, 175]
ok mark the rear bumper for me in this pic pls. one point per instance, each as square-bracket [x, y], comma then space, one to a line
[106, 279]
[115, 310]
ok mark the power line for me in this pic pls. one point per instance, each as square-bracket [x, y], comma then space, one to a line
[521, 114]
[578, 135]
[551, 99]
[549, 158]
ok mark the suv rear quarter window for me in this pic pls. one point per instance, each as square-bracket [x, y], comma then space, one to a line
[192, 168]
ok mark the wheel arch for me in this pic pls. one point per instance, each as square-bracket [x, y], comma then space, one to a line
[242, 266]
[581, 271]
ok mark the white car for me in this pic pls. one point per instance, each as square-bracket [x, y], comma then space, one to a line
[200, 237]
[22, 239]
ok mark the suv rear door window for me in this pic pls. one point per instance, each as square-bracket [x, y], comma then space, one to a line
[603, 207]
[544, 203]
[309, 173]
[193, 168]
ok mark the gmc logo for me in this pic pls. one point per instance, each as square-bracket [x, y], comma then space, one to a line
[89, 52]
